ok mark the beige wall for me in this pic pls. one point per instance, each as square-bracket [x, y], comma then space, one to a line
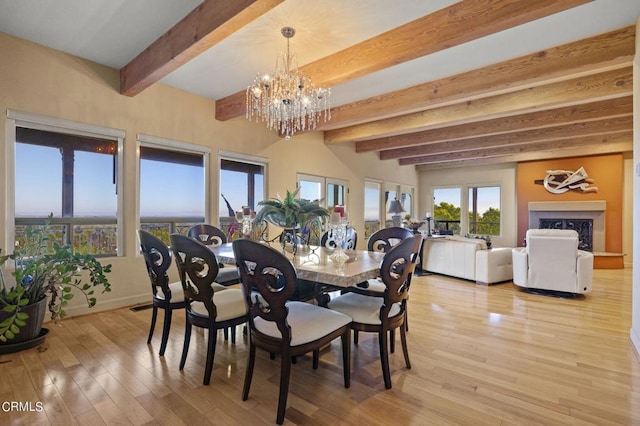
[39, 80]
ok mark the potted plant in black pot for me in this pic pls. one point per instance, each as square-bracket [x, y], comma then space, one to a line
[47, 275]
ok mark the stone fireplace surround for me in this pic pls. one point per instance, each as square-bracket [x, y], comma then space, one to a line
[594, 210]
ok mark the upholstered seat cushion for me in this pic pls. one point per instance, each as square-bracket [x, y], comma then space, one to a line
[376, 284]
[178, 295]
[308, 323]
[230, 304]
[361, 308]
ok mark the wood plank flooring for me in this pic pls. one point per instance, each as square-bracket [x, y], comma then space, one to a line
[480, 355]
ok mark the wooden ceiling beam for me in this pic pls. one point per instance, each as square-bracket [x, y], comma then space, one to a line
[590, 55]
[202, 28]
[432, 33]
[584, 142]
[557, 133]
[610, 108]
[607, 85]
[611, 148]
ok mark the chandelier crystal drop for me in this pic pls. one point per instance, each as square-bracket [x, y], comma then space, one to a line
[287, 100]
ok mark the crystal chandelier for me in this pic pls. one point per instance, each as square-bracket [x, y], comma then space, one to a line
[287, 100]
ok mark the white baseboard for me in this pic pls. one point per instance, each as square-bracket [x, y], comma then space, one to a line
[105, 305]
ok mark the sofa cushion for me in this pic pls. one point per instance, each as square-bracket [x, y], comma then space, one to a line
[482, 244]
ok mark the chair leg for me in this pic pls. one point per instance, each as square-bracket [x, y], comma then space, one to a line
[285, 373]
[187, 340]
[392, 341]
[166, 327]
[233, 335]
[403, 339]
[154, 317]
[406, 319]
[355, 337]
[248, 375]
[211, 353]
[346, 357]
[225, 331]
[316, 358]
[384, 359]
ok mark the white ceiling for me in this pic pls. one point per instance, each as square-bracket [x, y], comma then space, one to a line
[113, 32]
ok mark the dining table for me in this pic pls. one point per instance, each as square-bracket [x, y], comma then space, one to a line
[314, 264]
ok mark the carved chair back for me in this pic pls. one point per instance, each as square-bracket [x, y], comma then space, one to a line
[386, 238]
[207, 234]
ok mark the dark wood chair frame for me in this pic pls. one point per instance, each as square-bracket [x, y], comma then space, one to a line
[350, 241]
[396, 271]
[158, 260]
[198, 268]
[383, 239]
[269, 273]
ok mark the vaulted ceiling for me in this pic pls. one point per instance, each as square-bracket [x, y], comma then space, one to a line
[438, 84]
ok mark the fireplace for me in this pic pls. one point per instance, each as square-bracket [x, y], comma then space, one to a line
[572, 215]
[584, 228]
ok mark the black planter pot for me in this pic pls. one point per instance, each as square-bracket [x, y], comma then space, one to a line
[31, 332]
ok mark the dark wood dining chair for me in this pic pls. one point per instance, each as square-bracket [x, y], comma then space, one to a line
[210, 235]
[279, 325]
[166, 296]
[198, 267]
[384, 239]
[351, 239]
[384, 314]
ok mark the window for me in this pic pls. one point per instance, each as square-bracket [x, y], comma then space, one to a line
[176, 168]
[484, 210]
[389, 196]
[242, 184]
[371, 208]
[446, 209]
[68, 170]
[331, 192]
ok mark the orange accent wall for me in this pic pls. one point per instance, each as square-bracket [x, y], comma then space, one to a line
[607, 172]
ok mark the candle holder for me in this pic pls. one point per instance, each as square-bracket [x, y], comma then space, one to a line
[428, 219]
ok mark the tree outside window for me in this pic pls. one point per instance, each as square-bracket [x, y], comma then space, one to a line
[484, 210]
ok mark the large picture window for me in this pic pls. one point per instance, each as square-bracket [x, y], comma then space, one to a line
[447, 204]
[172, 186]
[242, 184]
[484, 210]
[69, 171]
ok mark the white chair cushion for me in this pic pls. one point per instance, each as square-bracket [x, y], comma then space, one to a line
[308, 323]
[376, 284]
[178, 295]
[176, 292]
[362, 309]
[230, 304]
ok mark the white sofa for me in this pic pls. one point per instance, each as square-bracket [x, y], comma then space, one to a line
[551, 261]
[467, 258]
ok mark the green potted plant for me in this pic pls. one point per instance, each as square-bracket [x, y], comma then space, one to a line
[44, 271]
[293, 214]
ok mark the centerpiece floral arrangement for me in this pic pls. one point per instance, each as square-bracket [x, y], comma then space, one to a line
[291, 213]
[46, 269]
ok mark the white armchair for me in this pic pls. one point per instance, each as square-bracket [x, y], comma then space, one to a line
[551, 261]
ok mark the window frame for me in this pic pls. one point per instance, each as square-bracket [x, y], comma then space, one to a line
[240, 158]
[324, 182]
[16, 119]
[469, 205]
[149, 141]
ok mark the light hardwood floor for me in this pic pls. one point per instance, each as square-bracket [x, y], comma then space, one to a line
[480, 355]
